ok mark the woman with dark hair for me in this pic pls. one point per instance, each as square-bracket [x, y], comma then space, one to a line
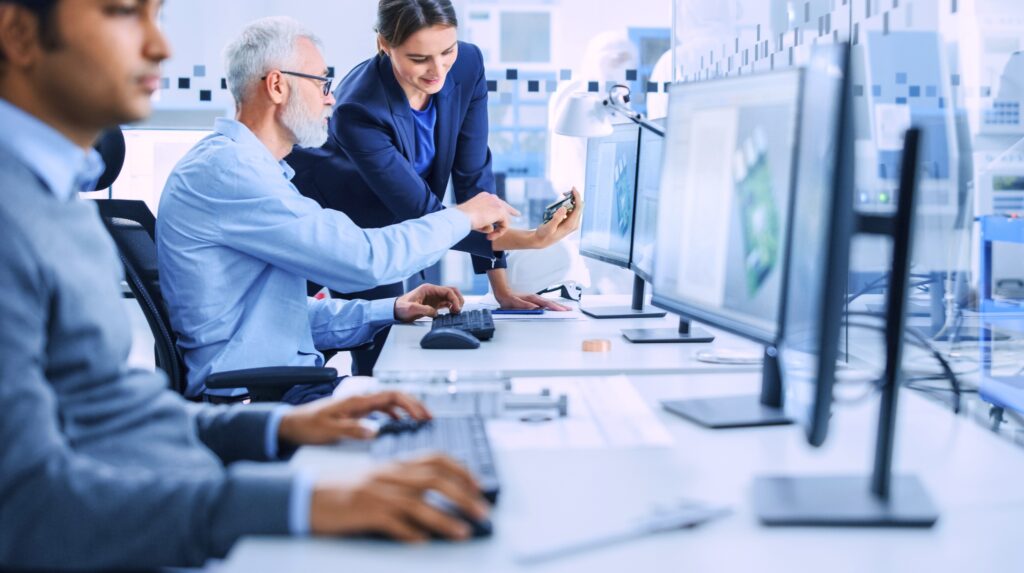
[406, 121]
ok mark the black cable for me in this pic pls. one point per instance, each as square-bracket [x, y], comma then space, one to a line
[877, 283]
[880, 283]
[921, 342]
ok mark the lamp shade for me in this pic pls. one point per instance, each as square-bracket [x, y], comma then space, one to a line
[584, 115]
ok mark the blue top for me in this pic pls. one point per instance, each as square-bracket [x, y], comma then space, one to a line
[88, 438]
[425, 122]
[370, 167]
[236, 243]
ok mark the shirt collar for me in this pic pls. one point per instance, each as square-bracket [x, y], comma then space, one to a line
[63, 167]
[239, 133]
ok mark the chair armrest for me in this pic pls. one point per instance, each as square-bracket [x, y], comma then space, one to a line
[281, 377]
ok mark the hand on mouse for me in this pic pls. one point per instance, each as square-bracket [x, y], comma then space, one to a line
[391, 502]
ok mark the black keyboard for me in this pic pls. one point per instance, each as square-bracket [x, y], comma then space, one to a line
[476, 322]
[463, 438]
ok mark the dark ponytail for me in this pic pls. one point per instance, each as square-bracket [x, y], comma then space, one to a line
[399, 19]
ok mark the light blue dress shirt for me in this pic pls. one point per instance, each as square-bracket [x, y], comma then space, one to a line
[66, 169]
[236, 243]
[63, 167]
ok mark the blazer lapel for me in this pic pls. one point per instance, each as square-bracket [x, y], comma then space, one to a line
[446, 135]
[399, 106]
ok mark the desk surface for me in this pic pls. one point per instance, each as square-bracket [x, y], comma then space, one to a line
[972, 476]
[532, 347]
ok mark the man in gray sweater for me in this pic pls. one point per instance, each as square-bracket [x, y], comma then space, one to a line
[101, 465]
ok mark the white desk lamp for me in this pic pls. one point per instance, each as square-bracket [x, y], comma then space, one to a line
[589, 115]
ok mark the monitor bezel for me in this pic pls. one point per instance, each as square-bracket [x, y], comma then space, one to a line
[661, 122]
[835, 268]
[696, 311]
[602, 256]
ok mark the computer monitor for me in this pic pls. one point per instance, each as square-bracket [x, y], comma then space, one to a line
[819, 251]
[817, 267]
[150, 156]
[607, 229]
[610, 193]
[648, 184]
[723, 206]
[724, 210]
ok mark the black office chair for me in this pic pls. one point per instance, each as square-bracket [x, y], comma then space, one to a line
[133, 228]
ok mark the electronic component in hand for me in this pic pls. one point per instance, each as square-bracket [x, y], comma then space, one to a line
[566, 201]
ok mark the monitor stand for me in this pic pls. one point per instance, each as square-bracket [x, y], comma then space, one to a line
[842, 501]
[636, 310]
[739, 411]
[883, 499]
[684, 333]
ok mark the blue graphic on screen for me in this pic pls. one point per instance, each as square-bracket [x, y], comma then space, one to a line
[609, 194]
[761, 228]
[724, 200]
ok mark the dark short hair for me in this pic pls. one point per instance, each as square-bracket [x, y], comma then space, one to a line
[43, 10]
[399, 19]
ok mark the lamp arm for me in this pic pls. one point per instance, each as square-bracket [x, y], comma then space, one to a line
[620, 105]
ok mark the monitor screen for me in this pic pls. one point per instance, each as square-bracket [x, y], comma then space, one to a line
[150, 156]
[819, 248]
[724, 201]
[648, 182]
[607, 230]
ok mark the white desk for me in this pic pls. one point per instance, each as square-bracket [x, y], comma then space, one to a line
[973, 477]
[526, 347]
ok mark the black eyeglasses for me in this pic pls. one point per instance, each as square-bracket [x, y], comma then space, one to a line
[328, 82]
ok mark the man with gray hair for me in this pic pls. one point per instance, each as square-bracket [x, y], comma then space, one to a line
[237, 241]
[102, 466]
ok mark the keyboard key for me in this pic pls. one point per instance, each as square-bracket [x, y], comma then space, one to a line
[462, 438]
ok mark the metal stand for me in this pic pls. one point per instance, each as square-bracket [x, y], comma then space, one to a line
[858, 500]
[636, 310]
[739, 411]
[842, 501]
[685, 333]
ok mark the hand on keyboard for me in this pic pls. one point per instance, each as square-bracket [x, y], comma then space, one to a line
[393, 502]
[328, 420]
[479, 323]
[426, 300]
[464, 438]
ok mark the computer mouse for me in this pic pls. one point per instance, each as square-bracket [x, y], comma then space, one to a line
[448, 339]
[478, 527]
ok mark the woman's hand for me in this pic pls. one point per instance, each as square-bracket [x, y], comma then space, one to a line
[561, 224]
[508, 299]
[520, 301]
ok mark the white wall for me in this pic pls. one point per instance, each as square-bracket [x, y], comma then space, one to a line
[199, 29]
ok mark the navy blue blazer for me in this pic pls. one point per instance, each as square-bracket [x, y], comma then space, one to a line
[366, 167]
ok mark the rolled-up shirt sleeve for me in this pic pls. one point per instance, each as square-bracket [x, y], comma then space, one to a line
[337, 323]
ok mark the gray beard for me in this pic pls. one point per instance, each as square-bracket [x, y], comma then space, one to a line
[307, 131]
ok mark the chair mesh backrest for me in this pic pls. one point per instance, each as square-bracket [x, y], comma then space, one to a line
[133, 228]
